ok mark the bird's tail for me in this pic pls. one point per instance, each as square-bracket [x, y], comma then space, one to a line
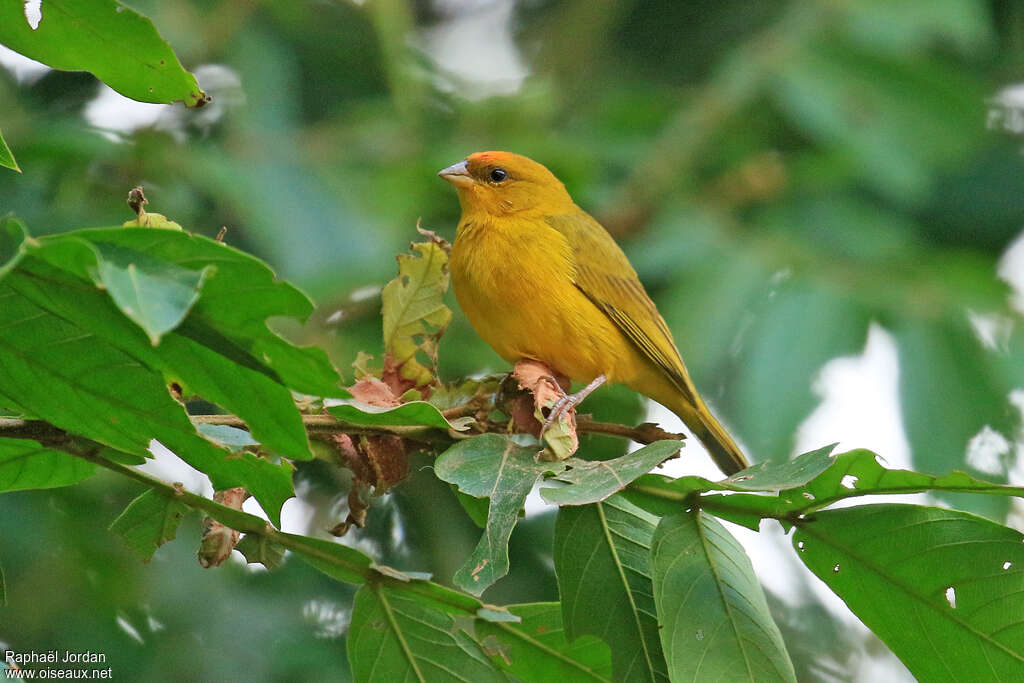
[723, 450]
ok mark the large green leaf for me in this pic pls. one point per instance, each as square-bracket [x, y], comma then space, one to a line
[601, 561]
[227, 377]
[494, 467]
[118, 45]
[944, 589]
[593, 481]
[397, 637]
[26, 464]
[715, 623]
[537, 650]
[148, 522]
[67, 376]
[237, 299]
[6, 158]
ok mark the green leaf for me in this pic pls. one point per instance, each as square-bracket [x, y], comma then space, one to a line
[235, 304]
[148, 522]
[12, 243]
[397, 637]
[944, 589]
[220, 372]
[853, 474]
[601, 561]
[715, 623]
[536, 649]
[413, 310]
[74, 380]
[154, 293]
[337, 561]
[593, 481]
[411, 414]
[118, 45]
[26, 464]
[258, 549]
[6, 158]
[491, 466]
[3, 588]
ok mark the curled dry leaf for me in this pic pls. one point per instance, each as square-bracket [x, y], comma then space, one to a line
[547, 389]
[219, 540]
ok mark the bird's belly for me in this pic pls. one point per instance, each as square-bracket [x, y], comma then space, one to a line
[522, 301]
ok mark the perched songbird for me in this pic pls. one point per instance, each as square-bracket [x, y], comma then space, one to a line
[540, 279]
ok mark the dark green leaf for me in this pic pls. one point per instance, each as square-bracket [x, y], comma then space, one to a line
[12, 243]
[397, 637]
[148, 522]
[235, 304]
[3, 588]
[235, 381]
[257, 549]
[28, 464]
[337, 561]
[118, 45]
[76, 381]
[601, 560]
[414, 413]
[944, 589]
[593, 481]
[715, 623]
[6, 158]
[536, 649]
[494, 467]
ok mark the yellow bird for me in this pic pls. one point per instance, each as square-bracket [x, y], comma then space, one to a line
[540, 279]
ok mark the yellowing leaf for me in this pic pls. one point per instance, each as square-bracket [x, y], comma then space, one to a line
[414, 312]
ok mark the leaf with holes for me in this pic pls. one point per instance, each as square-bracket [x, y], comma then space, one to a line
[491, 466]
[602, 564]
[852, 474]
[715, 623]
[148, 522]
[398, 637]
[26, 464]
[593, 481]
[414, 312]
[536, 649]
[943, 589]
[115, 43]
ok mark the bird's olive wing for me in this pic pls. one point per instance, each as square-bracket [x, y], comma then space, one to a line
[605, 276]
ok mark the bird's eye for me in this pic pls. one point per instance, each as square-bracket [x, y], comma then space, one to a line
[498, 174]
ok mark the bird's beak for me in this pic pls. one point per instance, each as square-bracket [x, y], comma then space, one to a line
[457, 175]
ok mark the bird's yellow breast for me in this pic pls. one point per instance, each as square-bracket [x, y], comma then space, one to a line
[513, 279]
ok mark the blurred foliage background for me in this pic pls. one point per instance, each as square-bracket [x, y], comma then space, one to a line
[783, 175]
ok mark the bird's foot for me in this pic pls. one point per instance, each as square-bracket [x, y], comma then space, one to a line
[570, 401]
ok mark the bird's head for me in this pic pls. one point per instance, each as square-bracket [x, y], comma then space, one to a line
[503, 183]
